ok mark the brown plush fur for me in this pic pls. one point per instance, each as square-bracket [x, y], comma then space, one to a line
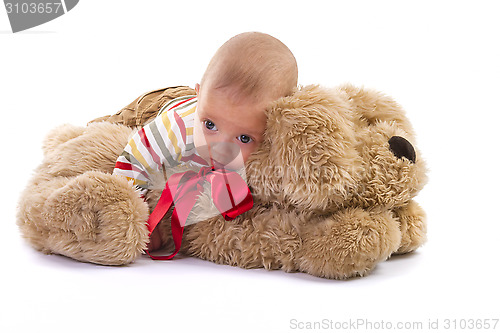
[75, 207]
[331, 198]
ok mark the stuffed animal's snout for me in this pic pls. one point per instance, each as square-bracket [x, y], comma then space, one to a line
[401, 147]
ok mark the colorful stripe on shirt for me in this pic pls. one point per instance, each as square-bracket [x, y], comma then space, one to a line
[166, 141]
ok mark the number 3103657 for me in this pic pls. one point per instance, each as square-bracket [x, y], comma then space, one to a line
[33, 8]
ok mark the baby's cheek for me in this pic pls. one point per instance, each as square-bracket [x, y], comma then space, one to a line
[200, 144]
[246, 151]
[198, 137]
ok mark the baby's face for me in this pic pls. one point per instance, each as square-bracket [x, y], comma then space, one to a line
[225, 132]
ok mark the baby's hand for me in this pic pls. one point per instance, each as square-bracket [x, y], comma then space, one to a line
[155, 240]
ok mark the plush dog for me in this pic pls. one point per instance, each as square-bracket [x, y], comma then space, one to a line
[333, 184]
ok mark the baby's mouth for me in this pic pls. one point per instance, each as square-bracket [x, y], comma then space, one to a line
[222, 160]
[230, 166]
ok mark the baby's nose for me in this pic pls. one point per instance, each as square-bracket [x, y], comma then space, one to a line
[224, 152]
[401, 147]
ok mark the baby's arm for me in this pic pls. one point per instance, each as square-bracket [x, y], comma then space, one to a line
[136, 163]
[152, 149]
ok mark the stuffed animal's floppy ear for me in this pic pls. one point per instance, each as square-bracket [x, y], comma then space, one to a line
[308, 157]
[373, 107]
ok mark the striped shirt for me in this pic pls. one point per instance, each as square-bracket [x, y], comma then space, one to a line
[165, 142]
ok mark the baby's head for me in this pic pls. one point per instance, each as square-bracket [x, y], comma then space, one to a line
[245, 75]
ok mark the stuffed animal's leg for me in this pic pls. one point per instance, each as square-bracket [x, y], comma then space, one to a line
[413, 227]
[96, 217]
[32, 225]
[346, 244]
[349, 243]
[262, 237]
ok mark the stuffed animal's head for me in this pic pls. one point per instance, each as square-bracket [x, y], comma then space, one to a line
[393, 168]
[327, 148]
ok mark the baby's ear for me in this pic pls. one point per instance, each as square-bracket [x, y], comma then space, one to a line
[308, 157]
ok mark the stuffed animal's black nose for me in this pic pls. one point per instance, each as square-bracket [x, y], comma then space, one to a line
[400, 147]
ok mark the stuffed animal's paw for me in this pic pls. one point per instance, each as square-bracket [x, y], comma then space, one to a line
[413, 227]
[97, 217]
[350, 243]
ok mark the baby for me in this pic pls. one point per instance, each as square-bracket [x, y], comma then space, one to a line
[224, 122]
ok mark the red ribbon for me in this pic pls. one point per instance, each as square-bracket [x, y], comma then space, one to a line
[230, 195]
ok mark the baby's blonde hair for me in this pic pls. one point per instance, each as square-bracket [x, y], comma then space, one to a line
[255, 65]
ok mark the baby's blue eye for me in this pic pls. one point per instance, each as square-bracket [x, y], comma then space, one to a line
[244, 138]
[210, 125]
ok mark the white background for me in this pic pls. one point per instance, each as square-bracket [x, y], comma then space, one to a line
[439, 59]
